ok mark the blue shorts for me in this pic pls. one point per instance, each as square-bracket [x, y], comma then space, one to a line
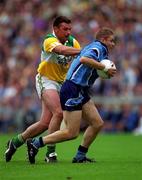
[73, 96]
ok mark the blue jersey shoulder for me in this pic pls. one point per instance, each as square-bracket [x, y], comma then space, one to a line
[82, 74]
[95, 50]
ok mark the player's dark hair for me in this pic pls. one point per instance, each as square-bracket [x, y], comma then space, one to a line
[60, 19]
[104, 32]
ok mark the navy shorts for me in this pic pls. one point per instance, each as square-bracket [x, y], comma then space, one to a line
[73, 96]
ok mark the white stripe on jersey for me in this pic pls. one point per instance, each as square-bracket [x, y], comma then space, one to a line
[72, 77]
[98, 52]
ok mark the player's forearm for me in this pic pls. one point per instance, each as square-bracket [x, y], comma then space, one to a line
[91, 63]
[65, 50]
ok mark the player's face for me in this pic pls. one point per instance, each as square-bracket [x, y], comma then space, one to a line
[110, 42]
[63, 31]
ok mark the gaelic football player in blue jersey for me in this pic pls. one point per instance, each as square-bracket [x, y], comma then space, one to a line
[75, 99]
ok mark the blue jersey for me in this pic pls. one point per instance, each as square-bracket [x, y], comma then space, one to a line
[82, 74]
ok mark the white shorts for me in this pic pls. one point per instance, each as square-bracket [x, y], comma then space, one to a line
[43, 83]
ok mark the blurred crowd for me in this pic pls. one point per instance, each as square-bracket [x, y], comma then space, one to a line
[24, 23]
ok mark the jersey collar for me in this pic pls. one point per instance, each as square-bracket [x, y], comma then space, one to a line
[103, 45]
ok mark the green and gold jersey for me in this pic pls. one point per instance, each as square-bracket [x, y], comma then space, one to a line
[52, 65]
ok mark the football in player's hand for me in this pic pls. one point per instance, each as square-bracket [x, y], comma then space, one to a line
[108, 64]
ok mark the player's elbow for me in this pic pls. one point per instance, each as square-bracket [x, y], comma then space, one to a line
[61, 50]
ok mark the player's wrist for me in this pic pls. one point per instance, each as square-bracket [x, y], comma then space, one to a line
[105, 69]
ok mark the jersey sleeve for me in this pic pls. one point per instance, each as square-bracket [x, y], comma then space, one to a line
[50, 43]
[93, 53]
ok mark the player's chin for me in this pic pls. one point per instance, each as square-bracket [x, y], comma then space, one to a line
[67, 37]
[111, 48]
[112, 75]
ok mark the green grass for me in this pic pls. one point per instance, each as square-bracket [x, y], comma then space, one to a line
[119, 157]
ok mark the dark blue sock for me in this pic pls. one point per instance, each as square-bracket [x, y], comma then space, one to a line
[81, 153]
[38, 142]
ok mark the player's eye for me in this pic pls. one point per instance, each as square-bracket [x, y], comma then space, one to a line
[113, 40]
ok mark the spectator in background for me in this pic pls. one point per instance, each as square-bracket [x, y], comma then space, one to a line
[138, 129]
[129, 119]
[28, 115]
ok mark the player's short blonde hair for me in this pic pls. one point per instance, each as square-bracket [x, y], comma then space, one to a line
[104, 32]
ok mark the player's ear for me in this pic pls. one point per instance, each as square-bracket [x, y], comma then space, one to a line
[56, 29]
[103, 40]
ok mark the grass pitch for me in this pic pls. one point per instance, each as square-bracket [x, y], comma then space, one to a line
[119, 157]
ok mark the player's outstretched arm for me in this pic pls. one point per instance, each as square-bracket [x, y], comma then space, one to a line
[65, 50]
[92, 63]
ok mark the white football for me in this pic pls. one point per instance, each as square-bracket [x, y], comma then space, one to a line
[109, 64]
